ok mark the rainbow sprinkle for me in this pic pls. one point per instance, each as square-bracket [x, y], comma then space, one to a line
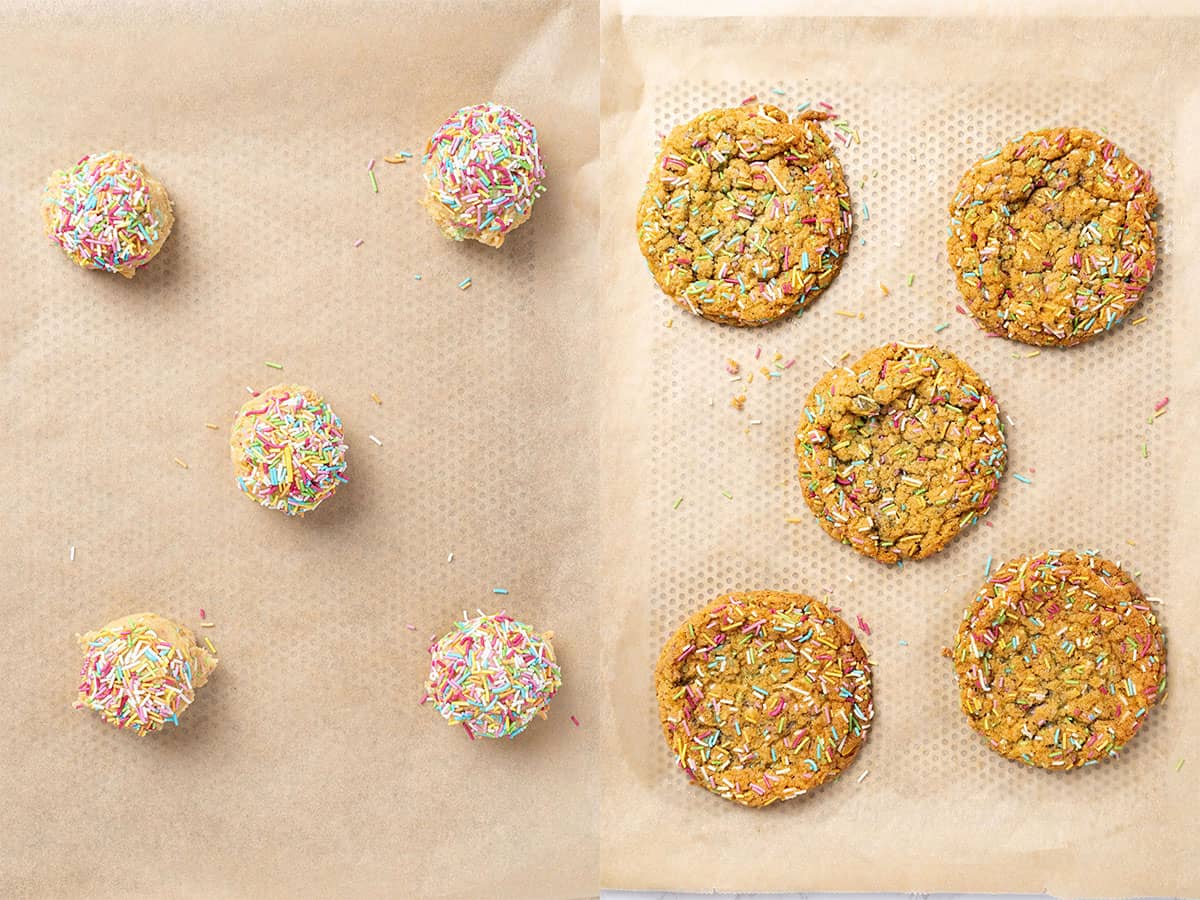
[288, 448]
[484, 171]
[492, 675]
[103, 213]
[134, 679]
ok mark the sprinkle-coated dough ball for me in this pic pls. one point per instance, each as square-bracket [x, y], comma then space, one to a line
[107, 212]
[483, 170]
[141, 672]
[288, 449]
[492, 675]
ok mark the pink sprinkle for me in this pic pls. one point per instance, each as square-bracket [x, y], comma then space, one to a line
[758, 353]
[751, 99]
[824, 104]
[1161, 403]
[575, 720]
[411, 627]
[202, 612]
[789, 363]
[862, 625]
[358, 243]
[371, 164]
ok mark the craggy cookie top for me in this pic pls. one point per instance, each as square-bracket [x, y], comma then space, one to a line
[746, 216]
[1052, 238]
[1059, 659]
[764, 695]
[900, 451]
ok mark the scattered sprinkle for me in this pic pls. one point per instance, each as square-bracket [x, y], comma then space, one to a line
[862, 625]
[848, 314]
[273, 365]
[1021, 478]
[677, 502]
[378, 442]
[727, 495]
[1162, 404]
[371, 164]
[358, 243]
[738, 402]
[1139, 320]
[211, 648]
[911, 276]
[375, 397]
[464, 284]
[793, 520]
[208, 624]
[575, 720]
[202, 613]
[865, 773]
[179, 462]
[72, 553]
[499, 590]
[884, 289]
[450, 557]
[210, 425]
[411, 627]
[374, 182]
[904, 643]
[417, 276]
[940, 328]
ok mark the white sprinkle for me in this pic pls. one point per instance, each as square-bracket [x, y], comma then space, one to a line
[756, 421]
[377, 441]
[1148, 599]
[72, 553]
[736, 378]
[863, 775]
[450, 558]
[251, 391]
[828, 362]
[358, 243]
[1010, 420]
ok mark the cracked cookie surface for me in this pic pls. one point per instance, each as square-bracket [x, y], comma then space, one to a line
[900, 451]
[746, 216]
[1052, 237]
[1059, 658]
[764, 695]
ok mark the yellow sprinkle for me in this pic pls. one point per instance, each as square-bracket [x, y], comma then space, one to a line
[793, 520]
[211, 648]
[1139, 320]
[883, 287]
[1131, 542]
[848, 314]
[1032, 354]
[375, 397]
[670, 322]
[393, 159]
[211, 425]
[179, 462]
[208, 624]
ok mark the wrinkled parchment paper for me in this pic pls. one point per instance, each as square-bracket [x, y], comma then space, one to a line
[926, 807]
[305, 768]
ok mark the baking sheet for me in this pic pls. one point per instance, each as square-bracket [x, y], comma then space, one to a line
[936, 810]
[305, 767]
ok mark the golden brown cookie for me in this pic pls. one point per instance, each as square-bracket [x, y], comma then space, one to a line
[1052, 237]
[763, 696]
[901, 451]
[1059, 659]
[746, 216]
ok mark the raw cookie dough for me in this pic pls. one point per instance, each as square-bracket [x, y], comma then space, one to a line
[1059, 658]
[288, 449]
[141, 671]
[746, 216]
[1052, 237]
[764, 695]
[492, 675]
[901, 451]
[483, 170]
[107, 212]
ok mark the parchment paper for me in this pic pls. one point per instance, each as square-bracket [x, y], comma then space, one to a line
[936, 810]
[305, 768]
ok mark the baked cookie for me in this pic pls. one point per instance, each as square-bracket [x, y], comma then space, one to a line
[107, 212]
[483, 170]
[141, 672]
[763, 696]
[1052, 237]
[1059, 659]
[492, 675]
[288, 449]
[746, 216]
[901, 451]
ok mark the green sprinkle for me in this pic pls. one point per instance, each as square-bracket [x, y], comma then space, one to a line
[677, 502]
[1179, 765]
[1145, 452]
[273, 365]
[374, 183]
[727, 495]
[911, 276]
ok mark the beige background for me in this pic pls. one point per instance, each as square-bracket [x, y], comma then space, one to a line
[305, 767]
[938, 811]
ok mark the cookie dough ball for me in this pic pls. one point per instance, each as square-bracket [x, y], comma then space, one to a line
[142, 671]
[492, 675]
[900, 451]
[746, 216]
[107, 212]
[1052, 237]
[483, 170]
[763, 696]
[1059, 659]
[288, 449]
